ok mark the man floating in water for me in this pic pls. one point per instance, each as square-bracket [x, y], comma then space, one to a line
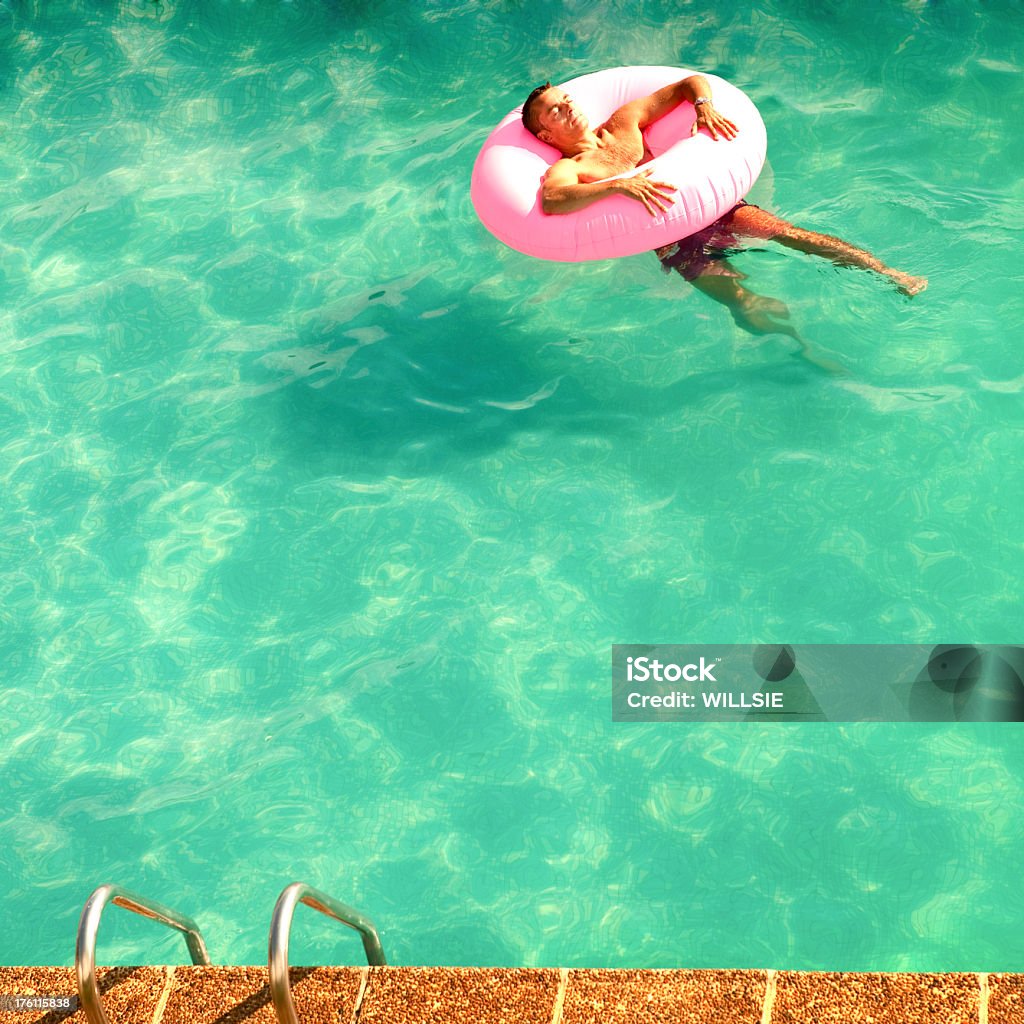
[589, 156]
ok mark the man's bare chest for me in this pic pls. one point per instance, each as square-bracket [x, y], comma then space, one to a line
[620, 153]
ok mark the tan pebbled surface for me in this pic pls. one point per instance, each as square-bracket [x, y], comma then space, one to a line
[458, 995]
[835, 998]
[664, 997]
[1006, 999]
[233, 995]
[466, 995]
[130, 994]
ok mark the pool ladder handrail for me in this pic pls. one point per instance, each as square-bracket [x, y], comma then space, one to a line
[280, 929]
[88, 926]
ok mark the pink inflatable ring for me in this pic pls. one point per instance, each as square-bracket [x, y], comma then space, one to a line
[711, 176]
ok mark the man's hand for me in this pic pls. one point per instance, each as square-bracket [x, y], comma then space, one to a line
[651, 193]
[708, 117]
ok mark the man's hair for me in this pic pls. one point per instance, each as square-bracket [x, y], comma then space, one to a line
[529, 118]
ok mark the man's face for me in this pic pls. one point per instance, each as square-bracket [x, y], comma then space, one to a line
[560, 120]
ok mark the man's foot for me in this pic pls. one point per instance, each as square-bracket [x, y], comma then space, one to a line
[760, 314]
[907, 283]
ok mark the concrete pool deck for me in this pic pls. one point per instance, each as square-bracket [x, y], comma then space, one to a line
[469, 995]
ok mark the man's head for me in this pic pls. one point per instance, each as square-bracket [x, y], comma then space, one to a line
[529, 113]
[553, 117]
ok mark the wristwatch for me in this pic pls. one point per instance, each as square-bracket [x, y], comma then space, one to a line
[700, 100]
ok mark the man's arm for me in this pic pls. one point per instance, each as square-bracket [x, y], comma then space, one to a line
[648, 109]
[563, 192]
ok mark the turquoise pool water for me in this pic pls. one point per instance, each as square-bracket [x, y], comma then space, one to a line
[322, 510]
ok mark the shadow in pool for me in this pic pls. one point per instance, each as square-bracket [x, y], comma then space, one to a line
[418, 388]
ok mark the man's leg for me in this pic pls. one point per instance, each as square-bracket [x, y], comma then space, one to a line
[757, 223]
[754, 313]
[705, 266]
[758, 314]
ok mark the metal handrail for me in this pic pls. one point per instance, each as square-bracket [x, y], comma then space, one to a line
[89, 923]
[280, 928]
